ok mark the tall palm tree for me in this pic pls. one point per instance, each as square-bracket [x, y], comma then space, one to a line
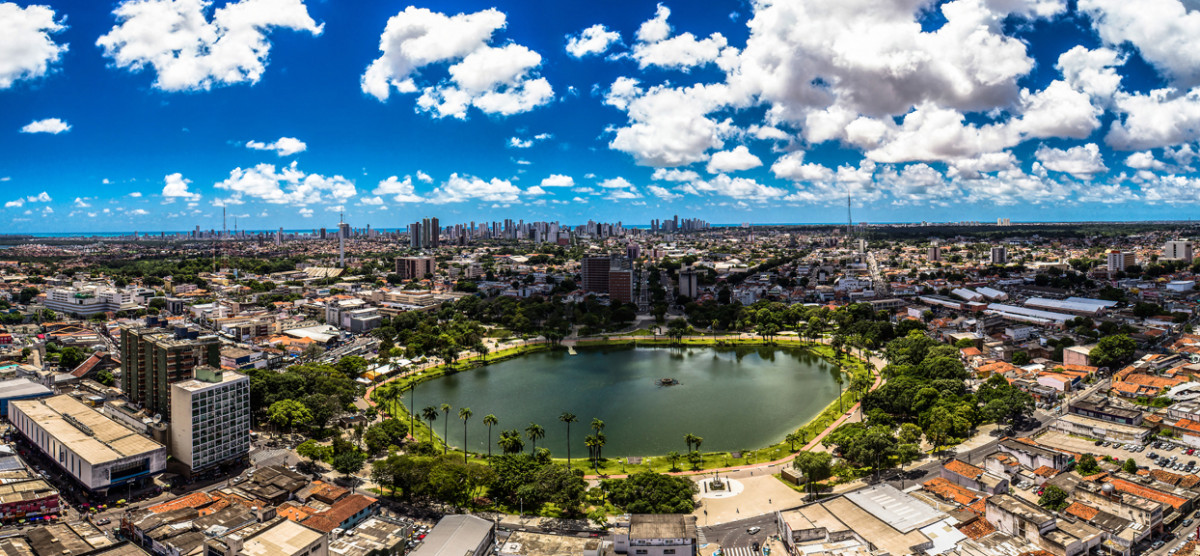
[601, 440]
[510, 441]
[568, 418]
[688, 439]
[535, 432]
[598, 427]
[430, 414]
[597, 424]
[590, 442]
[490, 420]
[412, 405]
[446, 428]
[697, 441]
[465, 415]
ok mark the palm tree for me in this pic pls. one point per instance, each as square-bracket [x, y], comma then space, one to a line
[430, 414]
[601, 440]
[689, 438]
[412, 404]
[792, 438]
[446, 429]
[568, 418]
[465, 415]
[674, 458]
[598, 427]
[590, 442]
[535, 432]
[510, 442]
[490, 420]
[697, 441]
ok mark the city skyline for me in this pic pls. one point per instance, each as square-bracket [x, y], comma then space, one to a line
[153, 115]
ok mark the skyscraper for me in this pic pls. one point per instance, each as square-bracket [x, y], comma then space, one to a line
[155, 358]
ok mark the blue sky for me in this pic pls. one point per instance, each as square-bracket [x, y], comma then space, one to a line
[155, 114]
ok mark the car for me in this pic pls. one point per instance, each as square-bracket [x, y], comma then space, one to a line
[1156, 545]
[1185, 523]
[1099, 442]
[753, 530]
[1152, 455]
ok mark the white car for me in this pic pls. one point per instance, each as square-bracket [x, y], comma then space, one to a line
[753, 530]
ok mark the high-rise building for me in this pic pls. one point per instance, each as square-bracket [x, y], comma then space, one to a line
[935, 253]
[155, 358]
[689, 285]
[1178, 250]
[1118, 261]
[595, 274]
[999, 255]
[414, 267]
[620, 285]
[210, 418]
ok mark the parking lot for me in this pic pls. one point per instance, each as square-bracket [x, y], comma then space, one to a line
[1142, 458]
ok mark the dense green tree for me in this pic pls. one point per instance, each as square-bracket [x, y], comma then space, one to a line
[389, 432]
[349, 462]
[71, 357]
[1113, 351]
[1053, 498]
[816, 466]
[1087, 465]
[288, 414]
[651, 493]
[1130, 466]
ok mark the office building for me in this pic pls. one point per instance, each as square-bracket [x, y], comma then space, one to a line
[1178, 250]
[155, 358]
[415, 268]
[98, 452]
[595, 274]
[689, 284]
[620, 285]
[87, 300]
[999, 255]
[1118, 261]
[210, 418]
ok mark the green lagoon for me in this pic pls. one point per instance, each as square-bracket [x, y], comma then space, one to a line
[734, 398]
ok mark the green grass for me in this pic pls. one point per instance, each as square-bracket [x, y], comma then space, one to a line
[610, 466]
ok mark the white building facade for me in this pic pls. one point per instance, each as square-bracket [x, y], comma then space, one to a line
[210, 418]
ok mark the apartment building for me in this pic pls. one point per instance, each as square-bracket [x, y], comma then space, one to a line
[155, 358]
[88, 300]
[210, 418]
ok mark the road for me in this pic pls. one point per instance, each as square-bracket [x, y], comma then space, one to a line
[734, 533]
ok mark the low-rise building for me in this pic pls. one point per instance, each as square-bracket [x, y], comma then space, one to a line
[659, 535]
[97, 451]
[459, 535]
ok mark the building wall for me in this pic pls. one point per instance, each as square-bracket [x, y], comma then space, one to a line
[595, 274]
[211, 425]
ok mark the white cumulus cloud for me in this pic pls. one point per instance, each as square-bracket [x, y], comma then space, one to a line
[496, 80]
[470, 188]
[594, 40]
[402, 190]
[176, 187]
[188, 51]
[27, 49]
[558, 180]
[1081, 161]
[284, 146]
[52, 126]
[286, 185]
[740, 158]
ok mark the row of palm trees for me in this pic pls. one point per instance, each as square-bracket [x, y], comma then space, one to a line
[510, 441]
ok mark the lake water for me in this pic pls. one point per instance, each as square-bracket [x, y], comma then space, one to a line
[743, 398]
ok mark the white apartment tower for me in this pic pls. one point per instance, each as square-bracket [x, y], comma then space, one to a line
[210, 418]
[1178, 250]
[1119, 260]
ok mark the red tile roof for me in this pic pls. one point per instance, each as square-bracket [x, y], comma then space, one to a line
[949, 491]
[963, 468]
[1140, 491]
[977, 529]
[1082, 511]
[332, 518]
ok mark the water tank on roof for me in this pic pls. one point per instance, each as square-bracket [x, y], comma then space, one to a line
[1108, 488]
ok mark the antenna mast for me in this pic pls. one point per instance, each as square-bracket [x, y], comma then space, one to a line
[849, 219]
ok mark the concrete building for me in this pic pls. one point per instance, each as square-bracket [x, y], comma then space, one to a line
[999, 255]
[275, 537]
[459, 535]
[1033, 455]
[689, 285]
[1087, 427]
[1178, 250]
[415, 268]
[1099, 407]
[210, 418]
[1118, 261]
[594, 273]
[659, 535]
[620, 285]
[20, 389]
[934, 254]
[97, 451]
[155, 358]
[87, 300]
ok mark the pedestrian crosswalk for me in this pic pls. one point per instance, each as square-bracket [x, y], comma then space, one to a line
[738, 551]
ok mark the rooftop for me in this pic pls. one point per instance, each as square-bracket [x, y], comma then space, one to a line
[664, 526]
[899, 510]
[99, 440]
[284, 538]
[455, 535]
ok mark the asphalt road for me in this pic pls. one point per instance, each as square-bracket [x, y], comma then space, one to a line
[733, 534]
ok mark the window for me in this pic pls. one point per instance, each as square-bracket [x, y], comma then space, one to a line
[668, 551]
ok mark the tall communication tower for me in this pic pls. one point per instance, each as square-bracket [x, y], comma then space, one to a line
[849, 219]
